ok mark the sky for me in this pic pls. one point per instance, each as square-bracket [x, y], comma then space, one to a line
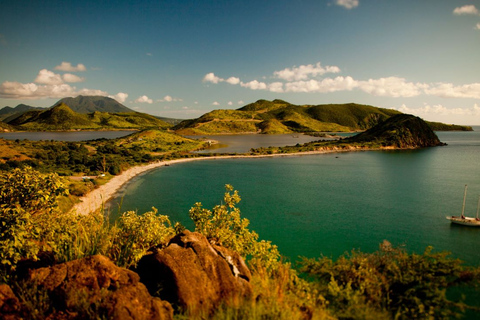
[181, 59]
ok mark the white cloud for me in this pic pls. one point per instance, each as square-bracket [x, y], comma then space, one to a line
[211, 77]
[304, 72]
[348, 4]
[254, 85]
[441, 113]
[17, 90]
[68, 77]
[325, 85]
[48, 77]
[233, 80]
[448, 90]
[275, 87]
[215, 103]
[91, 92]
[477, 27]
[169, 98]
[391, 87]
[230, 103]
[67, 66]
[466, 10]
[240, 102]
[120, 97]
[144, 99]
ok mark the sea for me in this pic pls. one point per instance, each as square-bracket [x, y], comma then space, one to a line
[330, 204]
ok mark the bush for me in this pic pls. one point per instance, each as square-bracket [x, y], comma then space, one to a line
[28, 199]
[224, 226]
[391, 283]
[134, 234]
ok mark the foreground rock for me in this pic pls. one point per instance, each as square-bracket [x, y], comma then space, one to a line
[10, 307]
[95, 285]
[194, 275]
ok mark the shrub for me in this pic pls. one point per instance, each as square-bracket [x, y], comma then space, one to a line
[224, 226]
[134, 234]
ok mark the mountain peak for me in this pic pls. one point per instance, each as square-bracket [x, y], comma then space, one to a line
[89, 104]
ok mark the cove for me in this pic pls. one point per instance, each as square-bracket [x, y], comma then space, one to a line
[330, 204]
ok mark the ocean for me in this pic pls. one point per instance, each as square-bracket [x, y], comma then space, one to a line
[330, 204]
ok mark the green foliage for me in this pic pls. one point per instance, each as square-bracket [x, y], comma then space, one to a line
[390, 282]
[134, 234]
[224, 226]
[27, 201]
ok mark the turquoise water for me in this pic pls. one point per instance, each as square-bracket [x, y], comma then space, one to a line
[332, 203]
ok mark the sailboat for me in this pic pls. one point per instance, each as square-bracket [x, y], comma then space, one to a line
[466, 221]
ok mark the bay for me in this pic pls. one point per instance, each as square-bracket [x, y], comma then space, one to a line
[65, 135]
[329, 204]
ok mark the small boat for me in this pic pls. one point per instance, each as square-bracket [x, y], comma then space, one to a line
[466, 221]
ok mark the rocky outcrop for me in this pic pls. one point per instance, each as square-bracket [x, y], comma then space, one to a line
[104, 288]
[194, 275]
[10, 308]
[400, 131]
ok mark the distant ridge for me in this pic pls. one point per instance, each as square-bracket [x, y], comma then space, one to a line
[279, 116]
[88, 104]
[62, 117]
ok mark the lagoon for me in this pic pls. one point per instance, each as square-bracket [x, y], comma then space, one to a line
[329, 204]
[65, 135]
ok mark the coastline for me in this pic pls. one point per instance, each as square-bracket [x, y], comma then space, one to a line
[97, 198]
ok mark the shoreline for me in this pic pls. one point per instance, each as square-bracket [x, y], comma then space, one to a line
[97, 198]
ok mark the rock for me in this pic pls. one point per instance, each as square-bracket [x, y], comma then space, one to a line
[9, 304]
[95, 285]
[194, 275]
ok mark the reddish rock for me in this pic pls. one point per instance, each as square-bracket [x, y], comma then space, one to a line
[95, 285]
[9, 304]
[194, 275]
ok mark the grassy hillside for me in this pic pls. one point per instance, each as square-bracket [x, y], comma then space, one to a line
[279, 116]
[61, 117]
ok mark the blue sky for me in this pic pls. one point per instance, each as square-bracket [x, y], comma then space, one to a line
[182, 59]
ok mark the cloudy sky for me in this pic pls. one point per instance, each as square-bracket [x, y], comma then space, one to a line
[184, 58]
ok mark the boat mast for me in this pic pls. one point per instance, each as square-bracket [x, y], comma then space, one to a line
[464, 197]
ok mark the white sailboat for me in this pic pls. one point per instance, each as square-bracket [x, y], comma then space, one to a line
[463, 220]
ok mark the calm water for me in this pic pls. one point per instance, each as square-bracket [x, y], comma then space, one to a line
[65, 135]
[329, 204]
[241, 143]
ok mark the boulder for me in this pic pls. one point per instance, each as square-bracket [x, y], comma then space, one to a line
[194, 275]
[9, 304]
[95, 285]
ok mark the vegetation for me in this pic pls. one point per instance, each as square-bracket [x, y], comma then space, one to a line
[95, 157]
[278, 116]
[387, 284]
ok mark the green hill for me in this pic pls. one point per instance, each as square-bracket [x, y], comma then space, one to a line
[279, 116]
[62, 117]
[399, 131]
[88, 104]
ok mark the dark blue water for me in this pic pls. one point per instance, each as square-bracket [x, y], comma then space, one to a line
[65, 135]
[332, 203]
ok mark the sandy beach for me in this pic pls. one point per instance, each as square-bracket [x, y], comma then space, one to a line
[95, 199]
